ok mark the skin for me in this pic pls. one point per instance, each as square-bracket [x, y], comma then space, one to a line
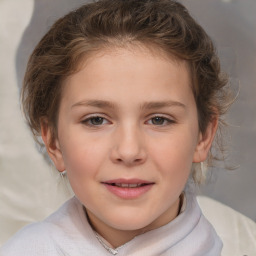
[110, 127]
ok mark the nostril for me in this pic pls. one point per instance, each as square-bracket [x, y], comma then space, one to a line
[129, 162]
[127, 155]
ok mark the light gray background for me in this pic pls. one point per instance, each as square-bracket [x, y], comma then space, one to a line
[232, 25]
[28, 184]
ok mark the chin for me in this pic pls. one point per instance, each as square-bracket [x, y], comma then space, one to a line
[130, 223]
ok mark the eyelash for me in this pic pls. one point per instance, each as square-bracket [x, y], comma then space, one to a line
[164, 121]
[88, 121]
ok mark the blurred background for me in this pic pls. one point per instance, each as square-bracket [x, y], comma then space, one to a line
[30, 189]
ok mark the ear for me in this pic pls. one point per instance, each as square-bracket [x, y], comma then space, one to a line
[52, 145]
[205, 141]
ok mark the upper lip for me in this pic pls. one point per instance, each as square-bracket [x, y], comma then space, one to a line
[127, 181]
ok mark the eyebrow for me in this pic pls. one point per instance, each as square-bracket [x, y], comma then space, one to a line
[144, 106]
[95, 103]
[162, 104]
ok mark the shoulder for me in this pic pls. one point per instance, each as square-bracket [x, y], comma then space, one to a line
[41, 238]
[31, 240]
[237, 231]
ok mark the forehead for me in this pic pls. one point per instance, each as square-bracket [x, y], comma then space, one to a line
[122, 50]
[110, 70]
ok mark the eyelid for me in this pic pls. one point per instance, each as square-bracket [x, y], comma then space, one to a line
[167, 118]
[88, 117]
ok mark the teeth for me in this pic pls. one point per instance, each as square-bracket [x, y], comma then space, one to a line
[134, 185]
[124, 185]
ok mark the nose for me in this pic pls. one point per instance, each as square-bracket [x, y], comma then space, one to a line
[128, 147]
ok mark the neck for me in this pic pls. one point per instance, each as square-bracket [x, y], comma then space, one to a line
[117, 237]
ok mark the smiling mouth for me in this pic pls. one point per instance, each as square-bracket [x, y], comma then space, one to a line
[128, 189]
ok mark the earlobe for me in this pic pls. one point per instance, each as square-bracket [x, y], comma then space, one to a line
[205, 141]
[52, 145]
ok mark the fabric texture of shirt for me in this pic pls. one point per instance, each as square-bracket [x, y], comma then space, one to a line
[67, 232]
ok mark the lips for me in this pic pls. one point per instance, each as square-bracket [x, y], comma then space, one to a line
[128, 189]
[125, 185]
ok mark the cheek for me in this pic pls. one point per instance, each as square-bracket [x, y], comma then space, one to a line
[83, 165]
[174, 155]
[83, 157]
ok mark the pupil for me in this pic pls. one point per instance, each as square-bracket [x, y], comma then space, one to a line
[97, 120]
[158, 120]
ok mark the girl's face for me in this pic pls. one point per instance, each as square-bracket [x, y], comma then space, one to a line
[127, 136]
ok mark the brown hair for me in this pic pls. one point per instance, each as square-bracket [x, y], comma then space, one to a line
[162, 24]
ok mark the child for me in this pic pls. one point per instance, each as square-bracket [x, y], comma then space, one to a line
[127, 97]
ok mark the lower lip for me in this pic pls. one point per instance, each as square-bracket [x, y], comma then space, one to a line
[129, 193]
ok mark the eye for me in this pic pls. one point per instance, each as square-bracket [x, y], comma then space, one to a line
[95, 121]
[160, 121]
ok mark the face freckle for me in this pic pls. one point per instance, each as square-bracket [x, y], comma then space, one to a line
[127, 136]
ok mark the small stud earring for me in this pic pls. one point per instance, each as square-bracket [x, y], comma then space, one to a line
[63, 173]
